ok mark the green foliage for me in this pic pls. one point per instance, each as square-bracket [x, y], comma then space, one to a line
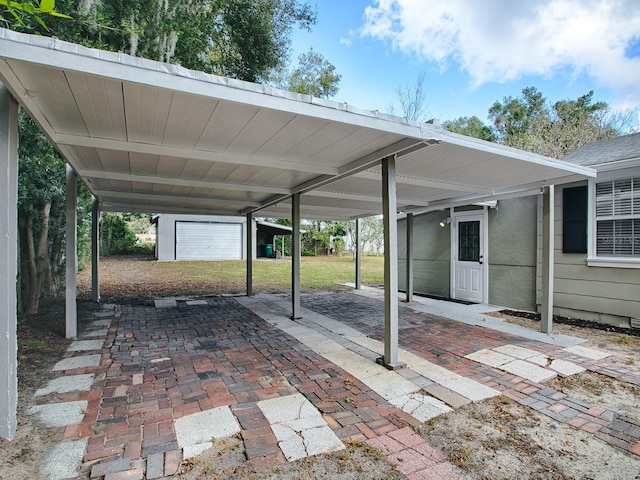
[115, 236]
[513, 118]
[528, 122]
[471, 127]
[242, 39]
[28, 15]
[314, 75]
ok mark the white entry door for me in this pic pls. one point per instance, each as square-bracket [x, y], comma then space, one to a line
[468, 257]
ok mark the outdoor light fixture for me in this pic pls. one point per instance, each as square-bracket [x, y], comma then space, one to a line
[445, 222]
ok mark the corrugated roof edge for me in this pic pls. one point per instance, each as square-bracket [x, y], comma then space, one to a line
[54, 43]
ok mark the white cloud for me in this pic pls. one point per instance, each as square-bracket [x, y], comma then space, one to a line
[345, 41]
[501, 40]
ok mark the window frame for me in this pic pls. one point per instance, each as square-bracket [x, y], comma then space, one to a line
[607, 173]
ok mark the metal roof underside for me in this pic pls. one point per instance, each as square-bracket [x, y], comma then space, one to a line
[152, 137]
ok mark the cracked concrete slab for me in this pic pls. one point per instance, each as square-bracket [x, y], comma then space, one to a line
[419, 406]
[68, 383]
[299, 427]
[587, 352]
[390, 385]
[64, 460]
[529, 371]
[196, 432]
[82, 361]
[59, 414]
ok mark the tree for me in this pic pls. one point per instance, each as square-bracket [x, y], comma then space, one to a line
[314, 75]
[471, 127]
[412, 97]
[371, 234]
[513, 118]
[529, 123]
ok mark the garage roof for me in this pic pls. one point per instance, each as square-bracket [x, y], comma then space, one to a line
[152, 137]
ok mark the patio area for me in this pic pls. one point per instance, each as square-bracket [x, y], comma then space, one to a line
[145, 387]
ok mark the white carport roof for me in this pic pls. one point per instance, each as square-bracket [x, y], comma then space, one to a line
[152, 137]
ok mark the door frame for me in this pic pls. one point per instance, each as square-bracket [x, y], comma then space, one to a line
[483, 215]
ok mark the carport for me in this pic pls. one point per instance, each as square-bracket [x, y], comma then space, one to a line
[151, 137]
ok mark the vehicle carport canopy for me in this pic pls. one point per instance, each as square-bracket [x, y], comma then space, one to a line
[152, 137]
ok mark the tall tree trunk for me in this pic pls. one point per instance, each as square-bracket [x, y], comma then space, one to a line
[31, 300]
[42, 252]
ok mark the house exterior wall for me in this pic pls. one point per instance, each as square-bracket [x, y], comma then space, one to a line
[166, 233]
[603, 294]
[512, 253]
[431, 254]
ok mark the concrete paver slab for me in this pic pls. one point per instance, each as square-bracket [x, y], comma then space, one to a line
[59, 414]
[540, 359]
[196, 432]
[516, 351]
[102, 332]
[165, 303]
[83, 345]
[69, 383]
[101, 323]
[82, 361]
[390, 385]
[489, 357]
[288, 408]
[466, 387]
[196, 302]
[587, 352]
[529, 371]
[64, 460]
[299, 427]
[566, 368]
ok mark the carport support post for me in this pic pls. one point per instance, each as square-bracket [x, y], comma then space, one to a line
[71, 257]
[249, 234]
[95, 249]
[8, 262]
[409, 268]
[358, 255]
[546, 325]
[295, 256]
[389, 212]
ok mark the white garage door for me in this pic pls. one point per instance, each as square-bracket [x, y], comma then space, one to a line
[208, 241]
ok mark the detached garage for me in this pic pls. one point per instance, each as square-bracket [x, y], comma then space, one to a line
[206, 237]
[209, 240]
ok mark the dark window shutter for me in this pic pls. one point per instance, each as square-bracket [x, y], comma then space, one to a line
[574, 220]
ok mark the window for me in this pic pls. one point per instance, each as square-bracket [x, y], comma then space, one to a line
[469, 241]
[617, 216]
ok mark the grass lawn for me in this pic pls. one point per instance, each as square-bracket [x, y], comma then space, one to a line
[143, 277]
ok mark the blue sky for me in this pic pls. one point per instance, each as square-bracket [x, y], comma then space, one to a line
[476, 52]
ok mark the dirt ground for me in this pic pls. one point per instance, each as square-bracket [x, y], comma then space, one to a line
[495, 439]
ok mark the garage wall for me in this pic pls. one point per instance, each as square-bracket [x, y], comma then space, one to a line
[169, 226]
